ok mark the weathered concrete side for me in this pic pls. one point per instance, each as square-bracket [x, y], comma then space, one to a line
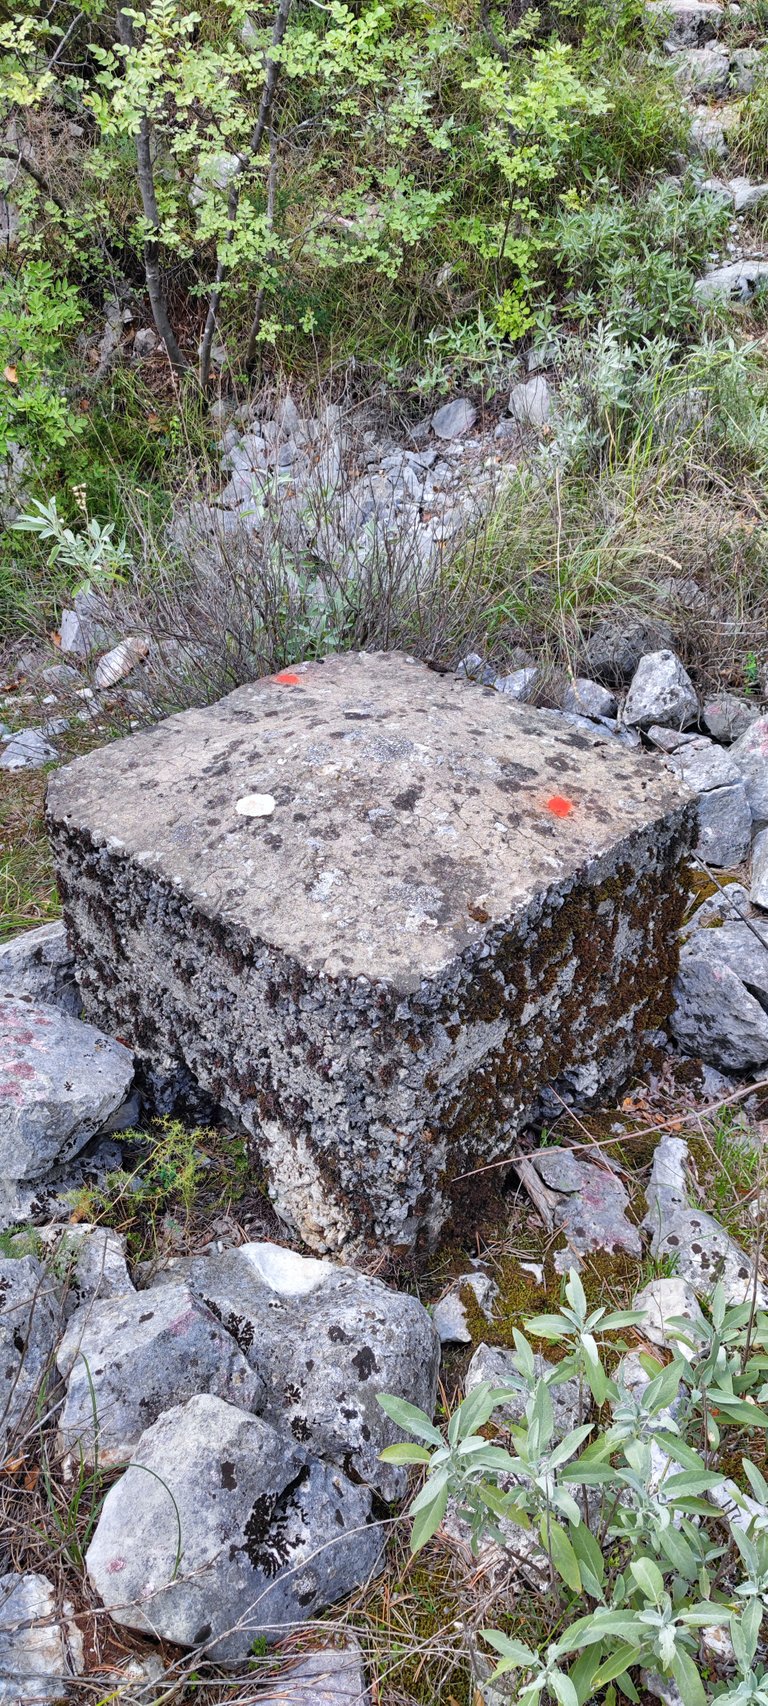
[454, 902]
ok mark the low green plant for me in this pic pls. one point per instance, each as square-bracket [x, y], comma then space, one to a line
[641, 1558]
[94, 555]
[39, 312]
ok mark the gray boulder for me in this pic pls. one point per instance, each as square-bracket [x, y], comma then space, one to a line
[497, 1366]
[750, 755]
[88, 1262]
[29, 1327]
[234, 1533]
[27, 750]
[39, 964]
[325, 1340]
[661, 691]
[702, 765]
[725, 826]
[334, 1676]
[36, 1202]
[758, 890]
[518, 685]
[454, 419]
[41, 1648]
[614, 650]
[714, 1015]
[127, 1359]
[61, 1081]
[738, 946]
[589, 698]
[704, 71]
[736, 281]
[688, 22]
[530, 402]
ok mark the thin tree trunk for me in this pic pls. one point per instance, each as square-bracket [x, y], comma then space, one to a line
[250, 357]
[146, 179]
[256, 139]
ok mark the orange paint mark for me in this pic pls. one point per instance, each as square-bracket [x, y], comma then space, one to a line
[287, 678]
[559, 806]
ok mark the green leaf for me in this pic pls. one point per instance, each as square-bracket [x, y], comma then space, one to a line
[429, 1491]
[756, 1481]
[575, 1294]
[404, 1453]
[428, 1520]
[692, 1481]
[561, 1686]
[582, 1674]
[541, 1424]
[677, 1550]
[587, 1551]
[688, 1680]
[508, 1648]
[547, 1327]
[475, 1410]
[616, 1664]
[738, 1410]
[409, 1418]
[649, 1578]
[569, 1445]
[555, 1541]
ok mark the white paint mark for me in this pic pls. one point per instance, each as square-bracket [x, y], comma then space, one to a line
[255, 805]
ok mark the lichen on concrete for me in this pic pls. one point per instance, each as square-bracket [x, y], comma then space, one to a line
[455, 902]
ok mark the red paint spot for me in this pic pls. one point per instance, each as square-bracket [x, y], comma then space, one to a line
[559, 806]
[287, 678]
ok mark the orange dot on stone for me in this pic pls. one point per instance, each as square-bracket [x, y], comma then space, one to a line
[287, 678]
[559, 806]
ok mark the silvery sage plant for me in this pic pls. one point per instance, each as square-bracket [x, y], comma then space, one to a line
[641, 1556]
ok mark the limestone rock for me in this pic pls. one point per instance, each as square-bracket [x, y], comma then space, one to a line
[129, 1358]
[120, 661]
[325, 1341]
[496, 1365]
[703, 1252]
[27, 750]
[738, 946]
[704, 71]
[530, 402]
[661, 691]
[454, 419]
[39, 1201]
[735, 281]
[38, 964]
[616, 646]
[518, 685]
[449, 1314]
[750, 755]
[61, 1081]
[440, 865]
[266, 1537]
[592, 1206]
[702, 765]
[333, 1676]
[725, 826]
[29, 1327]
[661, 1300]
[727, 716]
[689, 22]
[589, 698]
[758, 890]
[715, 1017]
[41, 1648]
[89, 1261]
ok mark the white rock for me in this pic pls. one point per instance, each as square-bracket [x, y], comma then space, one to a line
[750, 755]
[736, 281]
[255, 805]
[454, 419]
[715, 1017]
[530, 401]
[285, 1271]
[518, 685]
[27, 750]
[660, 1300]
[449, 1314]
[118, 663]
[661, 691]
[41, 1648]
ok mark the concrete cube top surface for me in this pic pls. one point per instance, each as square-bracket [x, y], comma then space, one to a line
[412, 810]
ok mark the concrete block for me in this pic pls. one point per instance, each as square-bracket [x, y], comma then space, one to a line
[456, 901]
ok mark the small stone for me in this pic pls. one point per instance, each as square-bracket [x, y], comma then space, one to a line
[737, 281]
[661, 691]
[145, 342]
[449, 1314]
[589, 698]
[592, 1211]
[614, 650]
[126, 1359]
[38, 965]
[61, 1081]
[118, 663]
[474, 668]
[750, 755]
[334, 1676]
[60, 676]
[41, 1648]
[727, 717]
[454, 419]
[702, 765]
[530, 401]
[703, 1252]
[287, 415]
[236, 1533]
[669, 740]
[518, 685]
[28, 750]
[30, 1315]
